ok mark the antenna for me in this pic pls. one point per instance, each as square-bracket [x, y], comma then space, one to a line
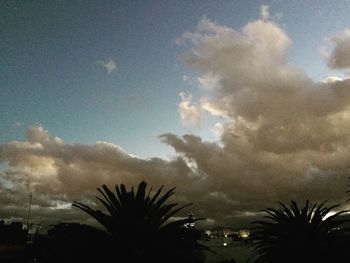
[30, 205]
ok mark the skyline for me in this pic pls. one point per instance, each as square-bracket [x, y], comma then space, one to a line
[238, 105]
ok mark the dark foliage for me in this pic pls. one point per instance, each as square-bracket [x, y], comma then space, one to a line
[228, 261]
[13, 233]
[140, 225]
[300, 234]
[72, 242]
[348, 191]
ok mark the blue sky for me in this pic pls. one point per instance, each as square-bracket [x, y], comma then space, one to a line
[49, 74]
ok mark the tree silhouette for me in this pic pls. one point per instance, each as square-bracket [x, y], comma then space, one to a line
[142, 227]
[70, 243]
[300, 234]
[348, 190]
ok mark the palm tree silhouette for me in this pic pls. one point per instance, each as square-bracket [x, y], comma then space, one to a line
[141, 225]
[300, 234]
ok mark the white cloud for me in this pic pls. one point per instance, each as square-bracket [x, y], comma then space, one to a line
[190, 114]
[218, 129]
[109, 65]
[264, 12]
[212, 108]
[209, 81]
[332, 79]
[189, 80]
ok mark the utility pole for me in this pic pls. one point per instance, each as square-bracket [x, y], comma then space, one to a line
[30, 205]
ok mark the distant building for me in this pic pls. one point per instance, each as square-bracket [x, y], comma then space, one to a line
[227, 232]
[226, 237]
[191, 220]
[244, 233]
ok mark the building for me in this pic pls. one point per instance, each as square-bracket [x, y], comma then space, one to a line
[191, 222]
[226, 237]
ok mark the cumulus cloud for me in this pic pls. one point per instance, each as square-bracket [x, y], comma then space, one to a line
[268, 98]
[339, 58]
[109, 65]
[189, 113]
[287, 136]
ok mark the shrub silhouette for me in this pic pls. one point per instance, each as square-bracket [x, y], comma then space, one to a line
[231, 260]
[72, 242]
[141, 226]
[348, 190]
[300, 234]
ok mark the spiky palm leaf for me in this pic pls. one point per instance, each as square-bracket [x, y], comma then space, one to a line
[298, 234]
[139, 221]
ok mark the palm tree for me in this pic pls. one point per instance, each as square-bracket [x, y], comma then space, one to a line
[300, 234]
[142, 227]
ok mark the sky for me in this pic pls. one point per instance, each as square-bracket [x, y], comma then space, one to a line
[238, 104]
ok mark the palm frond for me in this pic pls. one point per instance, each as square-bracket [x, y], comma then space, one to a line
[141, 222]
[295, 231]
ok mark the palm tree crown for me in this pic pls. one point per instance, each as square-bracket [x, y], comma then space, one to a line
[299, 234]
[140, 222]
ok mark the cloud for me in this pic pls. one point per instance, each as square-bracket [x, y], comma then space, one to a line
[268, 98]
[186, 78]
[264, 12]
[218, 129]
[339, 58]
[56, 173]
[332, 79]
[208, 81]
[286, 136]
[212, 108]
[190, 114]
[109, 65]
